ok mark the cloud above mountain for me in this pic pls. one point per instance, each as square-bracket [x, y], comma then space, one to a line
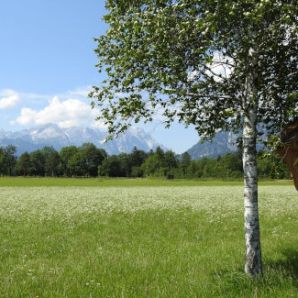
[21, 109]
[8, 99]
[65, 113]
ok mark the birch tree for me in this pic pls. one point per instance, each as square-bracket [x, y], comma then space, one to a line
[218, 65]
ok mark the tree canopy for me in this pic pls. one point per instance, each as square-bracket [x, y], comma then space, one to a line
[191, 58]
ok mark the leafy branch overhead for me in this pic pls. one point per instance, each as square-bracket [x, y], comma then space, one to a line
[189, 60]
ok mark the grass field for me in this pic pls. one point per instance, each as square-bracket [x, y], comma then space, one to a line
[142, 241]
[125, 182]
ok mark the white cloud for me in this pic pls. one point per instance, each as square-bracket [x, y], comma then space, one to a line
[8, 99]
[221, 67]
[64, 113]
[81, 92]
[33, 98]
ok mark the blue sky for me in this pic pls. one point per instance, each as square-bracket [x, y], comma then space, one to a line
[47, 65]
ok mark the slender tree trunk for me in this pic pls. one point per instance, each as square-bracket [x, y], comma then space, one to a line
[253, 261]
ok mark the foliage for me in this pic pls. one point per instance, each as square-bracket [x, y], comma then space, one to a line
[37, 159]
[160, 163]
[92, 158]
[193, 61]
[82, 161]
[90, 161]
[7, 160]
[124, 165]
[70, 161]
[23, 166]
[52, 161]
[66, 154]
[112, 167]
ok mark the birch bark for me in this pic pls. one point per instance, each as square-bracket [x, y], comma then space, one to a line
[253, 261]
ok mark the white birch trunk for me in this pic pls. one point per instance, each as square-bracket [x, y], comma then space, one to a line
[253, 261]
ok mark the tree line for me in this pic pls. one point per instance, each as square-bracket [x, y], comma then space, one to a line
[90, 161]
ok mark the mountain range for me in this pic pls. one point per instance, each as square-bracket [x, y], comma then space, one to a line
[222, 143]
[52, 135]
[28, 140]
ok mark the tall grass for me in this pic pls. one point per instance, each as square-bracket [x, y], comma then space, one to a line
[143, 242]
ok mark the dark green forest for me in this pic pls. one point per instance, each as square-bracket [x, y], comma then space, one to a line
[90, 161]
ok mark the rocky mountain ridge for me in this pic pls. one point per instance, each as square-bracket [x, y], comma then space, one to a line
[222, 143]
[52, 135]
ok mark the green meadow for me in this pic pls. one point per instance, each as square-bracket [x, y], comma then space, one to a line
[142, 238]
[125, 182]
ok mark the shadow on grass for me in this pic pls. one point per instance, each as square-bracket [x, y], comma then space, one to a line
[288, 266]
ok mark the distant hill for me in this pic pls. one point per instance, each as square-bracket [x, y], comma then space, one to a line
[52, 135]
[223, 143]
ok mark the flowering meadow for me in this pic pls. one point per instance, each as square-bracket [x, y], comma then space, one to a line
[166, 241]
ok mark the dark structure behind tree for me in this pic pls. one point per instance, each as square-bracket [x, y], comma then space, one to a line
[288, 148]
